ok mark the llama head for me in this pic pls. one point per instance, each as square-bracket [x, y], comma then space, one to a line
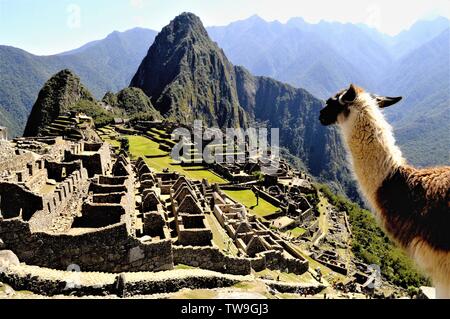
[339, 107]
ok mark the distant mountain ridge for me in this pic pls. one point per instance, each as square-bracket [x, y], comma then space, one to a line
[187, 77]
[325, 57]
[321, 58]
[104, 65]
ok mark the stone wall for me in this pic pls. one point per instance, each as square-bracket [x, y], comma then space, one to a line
[96, 158]
[225, 172]
[110, 202]
[49, 282]
[17, 201]
[96, 215]
[106, 189]
[276, 260]
[210, 258]
[26, 170]
[64, 190]
[269, 249]
[153, 224]
[12, 160]
[111, 198]
[59, 171]
[269, 198]
[56, 202]
[199, 236]
[109, 249]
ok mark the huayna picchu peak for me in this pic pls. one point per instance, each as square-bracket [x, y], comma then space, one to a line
[188, 77]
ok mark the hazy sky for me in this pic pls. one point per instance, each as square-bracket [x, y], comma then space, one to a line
[53, 26]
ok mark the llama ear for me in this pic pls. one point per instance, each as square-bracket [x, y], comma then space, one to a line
[385, 101]
[350, 95]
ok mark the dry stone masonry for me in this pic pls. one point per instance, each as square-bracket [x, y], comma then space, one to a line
[74, 202]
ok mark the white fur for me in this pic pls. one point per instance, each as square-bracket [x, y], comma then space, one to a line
[433, 262]
[371, 145]
[374, 157]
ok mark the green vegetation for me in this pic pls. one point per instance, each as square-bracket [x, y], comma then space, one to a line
[183, 267]
[192, 78]
[297, 231]
[132, 102]
[62, 92]
[372, 246]
[109, 135]
[258, 175]
[248, 198]
[100, 116]
[141, 146]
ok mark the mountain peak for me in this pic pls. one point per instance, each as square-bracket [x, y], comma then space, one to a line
[255, 18]
[185, 22]
[188, 77]
[188, 17]
[66, 73]
[61, 92]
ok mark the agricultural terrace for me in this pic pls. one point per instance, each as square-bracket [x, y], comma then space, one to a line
[248, 198]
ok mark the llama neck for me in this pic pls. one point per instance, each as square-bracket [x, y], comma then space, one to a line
[372, 148]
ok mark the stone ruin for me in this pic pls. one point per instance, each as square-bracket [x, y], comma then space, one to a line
[189, 209]
[66, 202]
[71, 125]
[183, 213]
[78, 210]
[253, 238]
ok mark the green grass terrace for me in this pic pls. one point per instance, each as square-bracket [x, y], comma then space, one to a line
[141, 146]
[248, 198]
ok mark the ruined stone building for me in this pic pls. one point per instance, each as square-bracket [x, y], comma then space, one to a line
[254, 239]
[66, 202]
[73, 205]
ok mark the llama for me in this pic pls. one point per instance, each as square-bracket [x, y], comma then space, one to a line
[412, 205]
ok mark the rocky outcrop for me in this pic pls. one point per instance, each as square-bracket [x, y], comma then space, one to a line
[59, 93]
[188, 77]
[132, 101]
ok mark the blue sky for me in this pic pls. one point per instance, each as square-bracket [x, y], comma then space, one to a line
[53, 26]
